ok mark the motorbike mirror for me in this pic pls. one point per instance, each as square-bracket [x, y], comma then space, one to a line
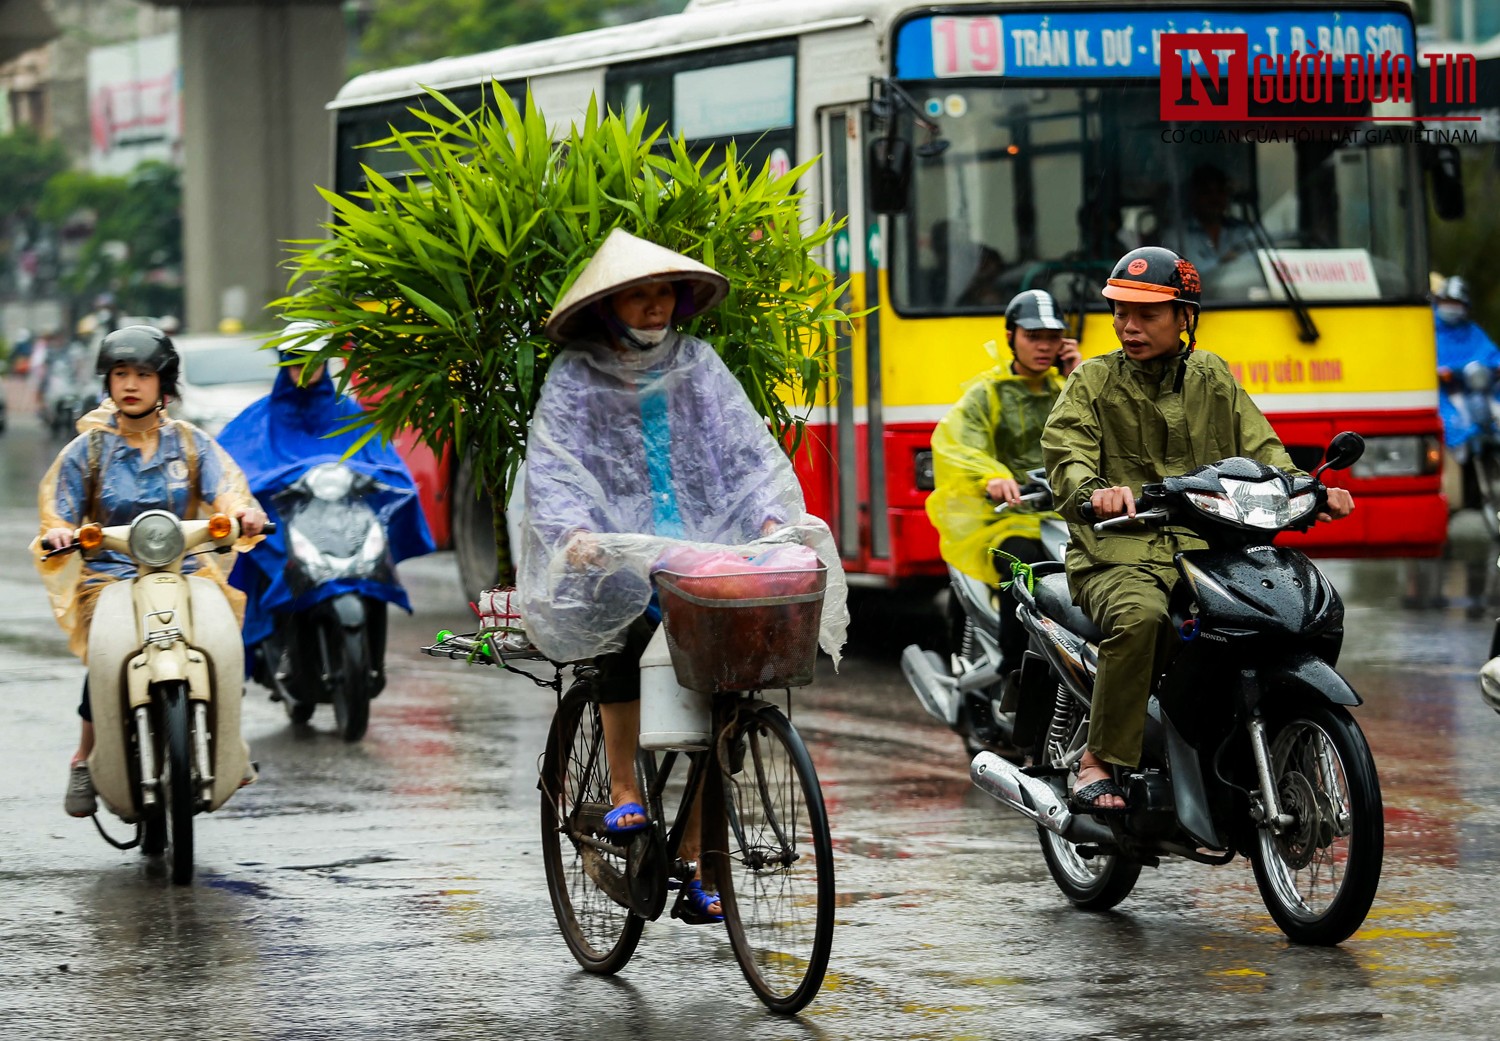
[1343, 452]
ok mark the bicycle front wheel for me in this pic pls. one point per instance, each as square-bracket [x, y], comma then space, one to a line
[775, 866]
[588, 886]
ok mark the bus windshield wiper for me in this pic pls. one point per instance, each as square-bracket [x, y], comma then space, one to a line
[1307, 330]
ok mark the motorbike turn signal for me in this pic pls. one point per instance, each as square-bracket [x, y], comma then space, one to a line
[91, 536]
[219, 526]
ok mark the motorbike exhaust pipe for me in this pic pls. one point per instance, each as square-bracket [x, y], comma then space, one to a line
[1033, 799]
[935, 690]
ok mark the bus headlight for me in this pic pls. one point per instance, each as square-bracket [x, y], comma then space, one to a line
[1403, 456]
[922, 461]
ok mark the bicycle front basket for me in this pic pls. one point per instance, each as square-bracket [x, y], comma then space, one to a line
[752, 631]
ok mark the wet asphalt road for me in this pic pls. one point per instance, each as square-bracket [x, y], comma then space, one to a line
[394, 888]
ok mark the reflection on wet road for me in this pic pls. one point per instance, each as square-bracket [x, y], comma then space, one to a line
[394, 888]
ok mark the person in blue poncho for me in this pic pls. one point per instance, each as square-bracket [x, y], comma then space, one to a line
[1461, 343]
[276, 441]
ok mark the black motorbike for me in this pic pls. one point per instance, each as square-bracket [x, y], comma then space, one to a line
[331, 649]
[968, 692]
[1250, 748]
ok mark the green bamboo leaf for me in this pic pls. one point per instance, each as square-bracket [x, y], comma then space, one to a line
[436, 313]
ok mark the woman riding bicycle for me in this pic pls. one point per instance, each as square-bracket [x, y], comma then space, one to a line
[130, 457]
[642, 439]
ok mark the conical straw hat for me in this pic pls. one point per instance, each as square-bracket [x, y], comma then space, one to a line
[624, 261]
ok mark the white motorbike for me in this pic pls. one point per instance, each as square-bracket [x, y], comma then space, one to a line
[166, 674]
[968, 693]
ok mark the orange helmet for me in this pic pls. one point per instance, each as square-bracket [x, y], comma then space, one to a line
[1154, 275]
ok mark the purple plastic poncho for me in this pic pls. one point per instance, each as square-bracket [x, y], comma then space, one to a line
[630, 454]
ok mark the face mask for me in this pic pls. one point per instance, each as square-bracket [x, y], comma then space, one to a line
[1451, 314]
[647, 337]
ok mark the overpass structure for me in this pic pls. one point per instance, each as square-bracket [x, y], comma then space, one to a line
[256, 75]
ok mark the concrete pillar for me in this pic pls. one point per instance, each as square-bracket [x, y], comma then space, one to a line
[256, 140]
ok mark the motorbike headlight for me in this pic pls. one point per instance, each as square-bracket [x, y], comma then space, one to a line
[1214, 504]
[1255, 504]
[374, 546]
[309, 556]
[156, 538]
[1301, 504]
[329, 481]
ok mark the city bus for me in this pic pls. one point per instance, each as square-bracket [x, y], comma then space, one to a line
[1036, 156]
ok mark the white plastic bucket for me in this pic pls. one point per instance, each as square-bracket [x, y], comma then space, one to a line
[673, 718]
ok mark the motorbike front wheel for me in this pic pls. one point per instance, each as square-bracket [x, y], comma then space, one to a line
[351, 691]
[1487, 478]
[1319, 874]
[178, 789]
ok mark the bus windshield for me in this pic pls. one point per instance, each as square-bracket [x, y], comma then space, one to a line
[1043, 186]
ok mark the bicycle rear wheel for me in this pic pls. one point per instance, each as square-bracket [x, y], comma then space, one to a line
[775, 867]
[589, 889]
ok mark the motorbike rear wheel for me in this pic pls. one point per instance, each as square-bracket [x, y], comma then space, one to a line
[1093, 884]
[179, 791]
[1319, 875]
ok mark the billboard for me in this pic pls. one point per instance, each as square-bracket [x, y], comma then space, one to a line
[135, 104]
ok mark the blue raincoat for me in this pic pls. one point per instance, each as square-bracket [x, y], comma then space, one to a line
[277, 440]
[1457, 346]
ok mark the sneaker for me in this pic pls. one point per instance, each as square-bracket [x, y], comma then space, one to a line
[80, 801]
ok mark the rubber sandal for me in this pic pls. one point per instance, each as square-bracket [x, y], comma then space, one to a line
[1082, 801]
[693, 903]
[612, 819]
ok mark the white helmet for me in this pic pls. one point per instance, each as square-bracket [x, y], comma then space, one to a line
[1489, 683]
[306, 343]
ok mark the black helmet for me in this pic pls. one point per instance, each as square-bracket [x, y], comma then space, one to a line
[1032, 309]
[1154, 275]
[141, 345]
[1455, 288]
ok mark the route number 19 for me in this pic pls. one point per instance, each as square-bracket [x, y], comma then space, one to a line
[967, 47]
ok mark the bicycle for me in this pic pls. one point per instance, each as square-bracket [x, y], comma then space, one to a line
[765, 836]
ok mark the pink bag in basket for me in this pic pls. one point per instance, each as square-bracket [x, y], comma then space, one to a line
[500, 608]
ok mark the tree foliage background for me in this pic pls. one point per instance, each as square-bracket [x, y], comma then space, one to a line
[443, 281]
[1469, 246]
[404, 32]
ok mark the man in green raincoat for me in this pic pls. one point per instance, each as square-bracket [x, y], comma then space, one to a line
[1152, 409]
[985, 444]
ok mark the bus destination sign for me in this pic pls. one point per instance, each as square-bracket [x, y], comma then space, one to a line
[1073, 44]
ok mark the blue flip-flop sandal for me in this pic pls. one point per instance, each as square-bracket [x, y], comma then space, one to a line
[613, 817]
[693, 903]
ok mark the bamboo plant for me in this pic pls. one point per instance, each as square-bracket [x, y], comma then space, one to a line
[442, 278]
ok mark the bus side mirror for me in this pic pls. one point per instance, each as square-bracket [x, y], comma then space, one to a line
[889, 165]
[1445, 167]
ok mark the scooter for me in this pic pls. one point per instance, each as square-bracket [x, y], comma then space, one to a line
[165, 684]
[331, 649]
[1472, 395]
[67, 395]
[968, 693]
[1250, 748]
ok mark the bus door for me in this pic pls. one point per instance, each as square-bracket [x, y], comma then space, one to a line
[853, 416]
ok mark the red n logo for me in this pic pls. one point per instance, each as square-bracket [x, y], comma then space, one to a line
[1210, 88]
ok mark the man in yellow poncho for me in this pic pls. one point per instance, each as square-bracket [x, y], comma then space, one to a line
[985, 444]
